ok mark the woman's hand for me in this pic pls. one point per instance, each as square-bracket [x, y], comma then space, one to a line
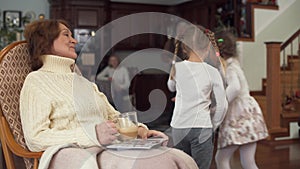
[155, 133]
[145, 133]
[106, 132]
[142, 132]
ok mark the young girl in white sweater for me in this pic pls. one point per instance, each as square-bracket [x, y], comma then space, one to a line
[195, 82]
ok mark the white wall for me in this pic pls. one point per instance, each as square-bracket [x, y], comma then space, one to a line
[270, 25]
[37, 6]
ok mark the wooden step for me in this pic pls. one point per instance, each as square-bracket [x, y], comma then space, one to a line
[262, 102]
[286, 117]
[289, 80]
[291, 116]
[294, 64]
[286, 77]
[289, 89]
[293, 57]
[289, 75]
[273, 133]
[278, 132]
[286, 88]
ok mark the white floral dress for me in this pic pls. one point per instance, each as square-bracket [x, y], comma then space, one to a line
[244, 122]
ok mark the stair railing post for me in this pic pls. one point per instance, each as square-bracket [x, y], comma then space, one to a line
[273, 89]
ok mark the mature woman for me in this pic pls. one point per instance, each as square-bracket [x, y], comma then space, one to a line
[66, 116]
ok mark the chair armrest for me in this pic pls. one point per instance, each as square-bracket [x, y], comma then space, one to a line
[13, 145]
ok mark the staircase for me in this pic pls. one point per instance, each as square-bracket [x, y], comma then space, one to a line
[282, 86]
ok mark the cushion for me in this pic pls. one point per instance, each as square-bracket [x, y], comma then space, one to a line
[14, 68]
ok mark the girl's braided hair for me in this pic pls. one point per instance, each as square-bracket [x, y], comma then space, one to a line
[212, 39]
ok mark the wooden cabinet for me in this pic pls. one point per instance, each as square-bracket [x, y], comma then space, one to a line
[140, 41]
[88, 14]
[93, 14]
[199, 12]
[89, 17]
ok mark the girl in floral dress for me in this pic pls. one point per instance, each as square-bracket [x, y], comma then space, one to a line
[244, 124]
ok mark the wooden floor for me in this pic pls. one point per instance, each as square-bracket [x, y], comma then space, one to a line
[284, 155]
[276, 155]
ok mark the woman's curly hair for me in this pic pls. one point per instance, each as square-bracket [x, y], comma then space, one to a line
[40, 36]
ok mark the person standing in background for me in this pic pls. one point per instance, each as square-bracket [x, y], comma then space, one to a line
[120, 82]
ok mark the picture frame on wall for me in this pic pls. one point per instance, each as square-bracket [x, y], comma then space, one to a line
[12, 18]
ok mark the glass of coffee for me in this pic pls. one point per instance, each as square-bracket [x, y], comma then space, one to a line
[128, 125]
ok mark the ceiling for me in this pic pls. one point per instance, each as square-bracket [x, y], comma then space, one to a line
[158, 2]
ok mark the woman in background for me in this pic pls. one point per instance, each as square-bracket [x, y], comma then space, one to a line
[120, 82]
[244, 124]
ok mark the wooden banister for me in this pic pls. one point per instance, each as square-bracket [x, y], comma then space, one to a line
[290, 40]
[273, 90]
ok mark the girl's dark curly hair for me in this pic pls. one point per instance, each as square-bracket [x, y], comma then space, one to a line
[226, 41]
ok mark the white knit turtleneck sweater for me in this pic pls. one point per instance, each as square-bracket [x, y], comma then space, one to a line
[59, 107]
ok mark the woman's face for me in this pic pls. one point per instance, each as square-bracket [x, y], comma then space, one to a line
[64, 44]
[113, 62]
